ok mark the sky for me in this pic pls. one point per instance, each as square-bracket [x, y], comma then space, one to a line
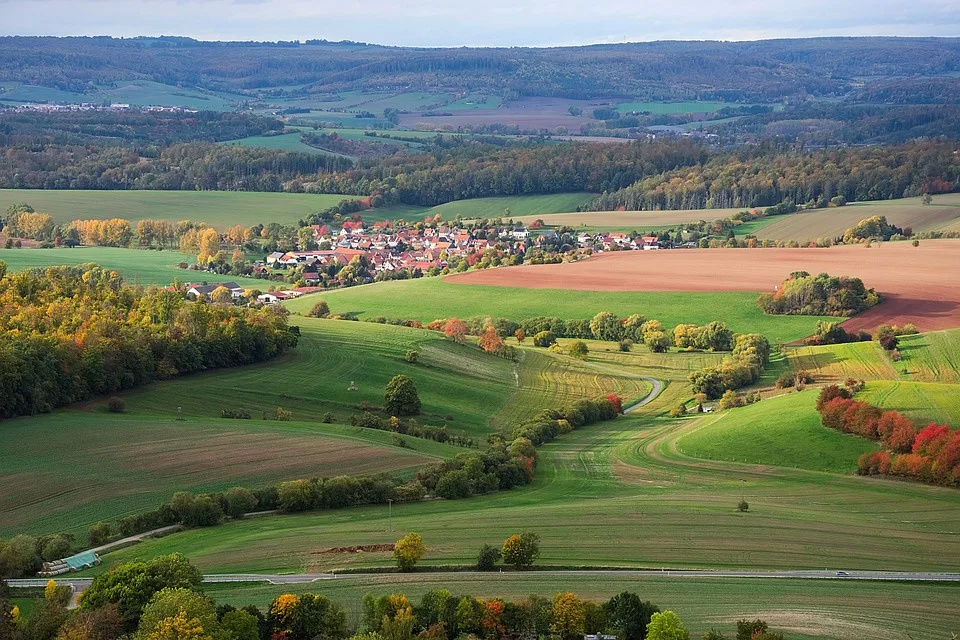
[443, 23]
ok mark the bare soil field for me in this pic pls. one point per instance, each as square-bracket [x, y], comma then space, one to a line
[918, 283]
[526, 113]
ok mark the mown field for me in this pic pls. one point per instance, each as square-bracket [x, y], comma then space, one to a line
[284, 142]
[220, 209]
[135, 265]
[427, 299]
[922, 401]
[942, 215]
[931, 357]
[782, 431]
[843, 610]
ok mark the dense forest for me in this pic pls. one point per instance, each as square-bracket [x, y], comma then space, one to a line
[768, 70]
[70, 333]
[757, 178]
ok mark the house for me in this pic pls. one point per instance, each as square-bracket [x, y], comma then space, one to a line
[206, 290]
[274, 257]
[520, 233]
[650, 242]
[311, 278]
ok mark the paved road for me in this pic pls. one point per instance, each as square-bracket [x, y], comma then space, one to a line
[304, 578]
[654, 392]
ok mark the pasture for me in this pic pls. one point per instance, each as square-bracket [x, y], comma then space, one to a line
[835, 363]
[220, 209]
[931, 357]
[835, 609]
[781, 431]
[133, 92]
[137, 266]
[427, 299]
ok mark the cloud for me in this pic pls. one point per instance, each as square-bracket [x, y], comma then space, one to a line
[491, 22]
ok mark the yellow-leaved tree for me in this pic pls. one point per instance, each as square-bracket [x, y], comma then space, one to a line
[409, 550]
[569, 616]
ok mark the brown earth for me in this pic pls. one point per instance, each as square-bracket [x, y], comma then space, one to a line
[526, 113]
[919, 284]
[369, 548]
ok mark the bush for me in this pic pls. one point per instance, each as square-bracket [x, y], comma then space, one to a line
[100, 533]
[116, 405]
[626, 345]
[320, 310]
[679, 410]
[742, 506]
[730, 400]
[237, 414]
[283, 415]
[487, 558]
[544, 339]
[412, 356]
[327, 418]
[578, 350]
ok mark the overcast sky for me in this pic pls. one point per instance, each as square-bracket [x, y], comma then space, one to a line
[485, 22]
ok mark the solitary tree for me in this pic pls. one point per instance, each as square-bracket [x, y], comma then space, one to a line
[520, 336]
[456, 329]
[521, 550]
[401, 398]
[409, 550]
[487, 558]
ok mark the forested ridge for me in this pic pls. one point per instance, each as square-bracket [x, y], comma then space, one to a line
[763, 70]
[69, 333]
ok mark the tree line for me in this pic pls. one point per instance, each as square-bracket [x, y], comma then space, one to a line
[163, 599]
[70, 333]
[820, 295]
[930, 454]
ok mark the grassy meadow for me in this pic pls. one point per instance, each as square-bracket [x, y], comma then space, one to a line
[283, 142]
[137, 266]
[780, 431]
[427, 299]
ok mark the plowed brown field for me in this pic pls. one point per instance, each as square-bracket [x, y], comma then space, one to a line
[919, 284]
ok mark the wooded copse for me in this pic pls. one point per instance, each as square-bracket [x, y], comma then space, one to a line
[70, 333]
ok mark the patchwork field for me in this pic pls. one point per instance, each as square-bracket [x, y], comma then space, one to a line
[901, 272]
[803, 608]
[137, 266]
[427, 299]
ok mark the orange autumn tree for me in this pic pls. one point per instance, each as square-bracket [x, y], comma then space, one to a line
[456, 329]
[490, 341]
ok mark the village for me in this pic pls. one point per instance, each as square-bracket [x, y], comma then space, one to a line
[382, 251]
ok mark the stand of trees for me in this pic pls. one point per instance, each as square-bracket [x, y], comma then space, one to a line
[69, 333]
[930, 454]
[823, 295]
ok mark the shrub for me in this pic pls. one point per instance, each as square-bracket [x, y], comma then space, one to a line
[100, 533]
[116, 405]
[487, 558]
[544, 339]
[412, 356]
[283, 415]
[679, 410]
[237, 414]
[319, 310]
[327, 418]
[626, 345]
[578, 350]
[742, 506]
[401, 397]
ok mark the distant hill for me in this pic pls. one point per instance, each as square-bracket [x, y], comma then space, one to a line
[768, 70]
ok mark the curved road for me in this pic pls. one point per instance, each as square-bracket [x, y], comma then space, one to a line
[304, 578]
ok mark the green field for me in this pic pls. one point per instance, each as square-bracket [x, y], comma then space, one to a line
[931, 357]
[137, 266]
[781, 431]
[835, 363]
[922, 401]
[220, 209]
[844, 610]
[284, 142]
[428, 299]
